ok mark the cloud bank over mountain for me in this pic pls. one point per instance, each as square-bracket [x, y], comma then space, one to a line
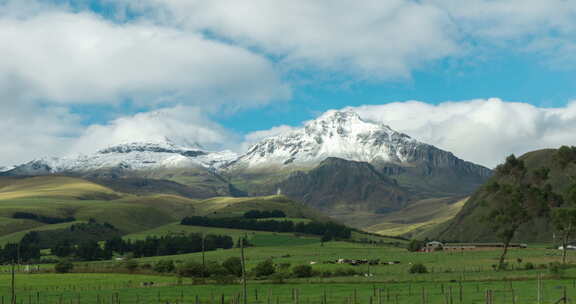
[63, 64]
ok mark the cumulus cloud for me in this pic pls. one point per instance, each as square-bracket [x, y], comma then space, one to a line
[55, 58]
[377, 39]
[369, 39]
[34, 132]
[69, 57]
[256, 136]
[484, 131]
[186, 126]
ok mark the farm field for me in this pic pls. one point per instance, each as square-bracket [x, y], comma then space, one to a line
[129, 288]
[460, 274]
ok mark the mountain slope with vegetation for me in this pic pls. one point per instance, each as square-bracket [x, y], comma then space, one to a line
[78, 200]
[523, 190]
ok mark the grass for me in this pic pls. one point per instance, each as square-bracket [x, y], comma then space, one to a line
[160, 214]
[58, 196]
[420, 216]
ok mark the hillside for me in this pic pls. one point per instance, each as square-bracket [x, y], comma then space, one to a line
[61, 197]
[343, 189]
[352, 169]
[546, 176]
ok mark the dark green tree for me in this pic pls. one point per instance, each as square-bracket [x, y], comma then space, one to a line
[507, 216]
[564, 220]
[264, 268]
[233, 265]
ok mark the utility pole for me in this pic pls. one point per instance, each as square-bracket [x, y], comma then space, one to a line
[13, 285]
[244, 289]
[203, 256]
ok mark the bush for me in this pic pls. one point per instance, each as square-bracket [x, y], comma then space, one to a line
[226, 279]
[63, 267]
[191, 269]
[233, 265]
[556, 268]
[418, 268]
[278, 278]
[302, 271]
[264, 268]
[164, 266]
[528, 266]
[130, 264]
[415, 245]
[214, 269]
[326, 274]
[342, 272]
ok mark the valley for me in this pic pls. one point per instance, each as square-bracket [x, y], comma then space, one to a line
[312, 224]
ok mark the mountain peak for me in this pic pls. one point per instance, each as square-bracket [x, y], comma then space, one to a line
[336, 133]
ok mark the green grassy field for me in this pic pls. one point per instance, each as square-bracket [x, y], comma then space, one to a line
[469, 273]
[418, 217]
[58, 196]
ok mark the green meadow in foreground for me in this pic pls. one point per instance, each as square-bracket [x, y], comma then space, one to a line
[467, 275]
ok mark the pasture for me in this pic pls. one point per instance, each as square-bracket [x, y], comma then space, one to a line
[453, 277]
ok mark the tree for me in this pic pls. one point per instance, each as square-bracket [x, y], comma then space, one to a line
[64, 266]
[233, 265]
[302, 271]
[164, 266]
[507, 216]
[564, 220]
[415, 245]
[192, 269]
[418, 268]
[264, 268]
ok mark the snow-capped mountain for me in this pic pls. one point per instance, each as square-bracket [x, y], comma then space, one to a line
[341, 134]
[129, 156]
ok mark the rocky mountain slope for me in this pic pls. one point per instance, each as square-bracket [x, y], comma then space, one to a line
[390, 169]
[339, 162]
[143, 168]
[335, 183]
[128, 156]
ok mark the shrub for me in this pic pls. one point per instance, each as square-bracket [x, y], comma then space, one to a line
[130, 264]
[418, 268]
[226, 279]
[164, 266]
[326, 274]
[284, 266]
[191, 269]
[556, 268]
[278, 278]
[233, 266]
[415, 245]
[302, 271]
[214, 269]
[264, 268]
[528, 266]
[63, 267]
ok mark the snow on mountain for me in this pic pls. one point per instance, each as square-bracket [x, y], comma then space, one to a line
[130, 156]
[341, 134]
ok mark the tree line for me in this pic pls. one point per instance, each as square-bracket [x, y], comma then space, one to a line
[257, 214]
[328, 229]
[42, 218]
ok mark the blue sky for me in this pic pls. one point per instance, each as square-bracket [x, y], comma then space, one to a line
[88, 74]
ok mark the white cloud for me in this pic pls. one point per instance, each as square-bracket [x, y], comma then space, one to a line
[256, 136]
[53, 58]
[482, 131]
[368, 39]
[68, 57]
[34, 132]
[186, 126]
[378, 39]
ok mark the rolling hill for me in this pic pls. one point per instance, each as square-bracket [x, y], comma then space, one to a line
[545, 176]
[62, 196]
